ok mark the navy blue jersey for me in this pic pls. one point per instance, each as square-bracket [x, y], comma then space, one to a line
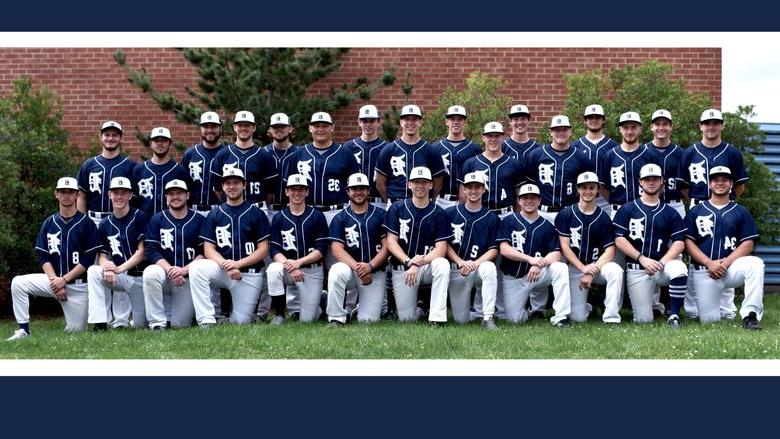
[280, 156]
[95, 176]
[697, 160]
[537, 239]
[120, 238]
[473, 233]
[397, 159]
[418, 230]
[367, 154]
[256, 163]
[236, 230]
[718, 231]
[594, 151]
[589, 235]
[619, 172]
[556, 173]
[361, 233]
[149, 180]
[650, 229]
[454, 156]
[197, 160]
[518, 150]
[326, 171]
[671, 166]
[502, 175]
[295, 236]
[66, 244]
[175, 240]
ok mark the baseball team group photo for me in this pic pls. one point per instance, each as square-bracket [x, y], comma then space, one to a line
[621, 222]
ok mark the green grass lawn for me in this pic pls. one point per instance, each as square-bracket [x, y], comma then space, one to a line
[393, 340]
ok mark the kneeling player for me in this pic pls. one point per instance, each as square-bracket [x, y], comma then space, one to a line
[721, 235]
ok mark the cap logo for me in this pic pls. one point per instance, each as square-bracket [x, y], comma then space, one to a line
[278, 118]
[320, 117]
[558, 120]
[592, 108]
[712, 114]
[359, 179]
[367, 111]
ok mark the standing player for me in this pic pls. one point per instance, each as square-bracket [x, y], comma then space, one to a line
[172, 244]
[281, 150]
[519, 142]
[588, 244]
[357, 237]
[531, 260]
[367, 146]
[595, 143]
[671, 158]
[120, 261]
[197, 160]
[65, 240]
[400, 156]
[236, 241]
[473, 251]
[417, 239]
[299, 241]
[151, 176]
[720, 238]
[454, 149]
[651, 236]
[96, 173]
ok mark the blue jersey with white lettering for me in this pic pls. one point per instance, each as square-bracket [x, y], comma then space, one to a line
[454, 156]
[503, 176]
[95, 176]
[671, 166]
[197, 160]
[555, 172]
[367, 154]
[397, 159]
[650, 229]
[619, 172]
[280, 156]
[589, 234]
[326, 170]
[518, 150]
[473, 233]
[177, 240]
[594, 151]
[256, 163]
[697, 160]
[120, 238]
[235, 231]
[149, 180]
[718, 231]
[418, 230]
[295, 236]
[67, 242]
[361, 233]
[535, 238]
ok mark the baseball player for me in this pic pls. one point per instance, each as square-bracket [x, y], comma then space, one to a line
[367, 146]
[326, 166]
[502, 173]
[454, 149]
[519, 143]
[651, 235]
[281, 150]
[151, 176]
[172, 244]
[299, 240]
[358, 242]
[418, 231]
[121, 262]
[531, 260]
[619, 168]
[409, 151]
[595, 144]
[473, 251]
[588, 244]
[671, 158]
[67, 244]
[256, 163]
[197, 160]
[554, 169]
[720, 237]
[236, 241]
[96, 173]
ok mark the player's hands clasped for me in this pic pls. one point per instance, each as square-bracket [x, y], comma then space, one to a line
[177, 275]
[467, 267]
[297, 275]
[534, 273]
[651, 265]
[716, 269]
[585, 281]
[362, 269]
[291, 264]
[591, 269]
[410, 276]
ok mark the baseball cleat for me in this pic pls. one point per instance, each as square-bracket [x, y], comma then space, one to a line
[206, 326]
[335, 324]
[277, 321]
[536, 315]
[750, 322]
[294, 316]
[674, 321]
[565, 323]
[158, 328]
[489, 324]
[18, 335]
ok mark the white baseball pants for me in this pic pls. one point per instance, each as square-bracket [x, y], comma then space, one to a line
[610, 275]
[100, 299]
[460, 291]
[309, 291]
[156, 286]
[516, 292]
[340, 279]
[76, 308]
[437, 274]
[642, 288]
[747, 271]
[245, 292]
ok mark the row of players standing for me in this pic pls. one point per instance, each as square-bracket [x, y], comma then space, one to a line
[325, 164]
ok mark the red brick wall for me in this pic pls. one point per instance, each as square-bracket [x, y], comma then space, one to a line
[94, 88]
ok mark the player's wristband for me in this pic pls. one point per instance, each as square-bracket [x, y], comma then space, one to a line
[371, 267]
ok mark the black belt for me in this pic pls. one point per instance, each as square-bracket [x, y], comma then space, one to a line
[449, 197]
[98, 215]
[399, 267]
[203, 207]
[634, 266]
[674, 201]
[550, 209]
[329, 208]
[699, 267]
[502, 210]
[616, 206]
[312, 265]
[250, 270]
